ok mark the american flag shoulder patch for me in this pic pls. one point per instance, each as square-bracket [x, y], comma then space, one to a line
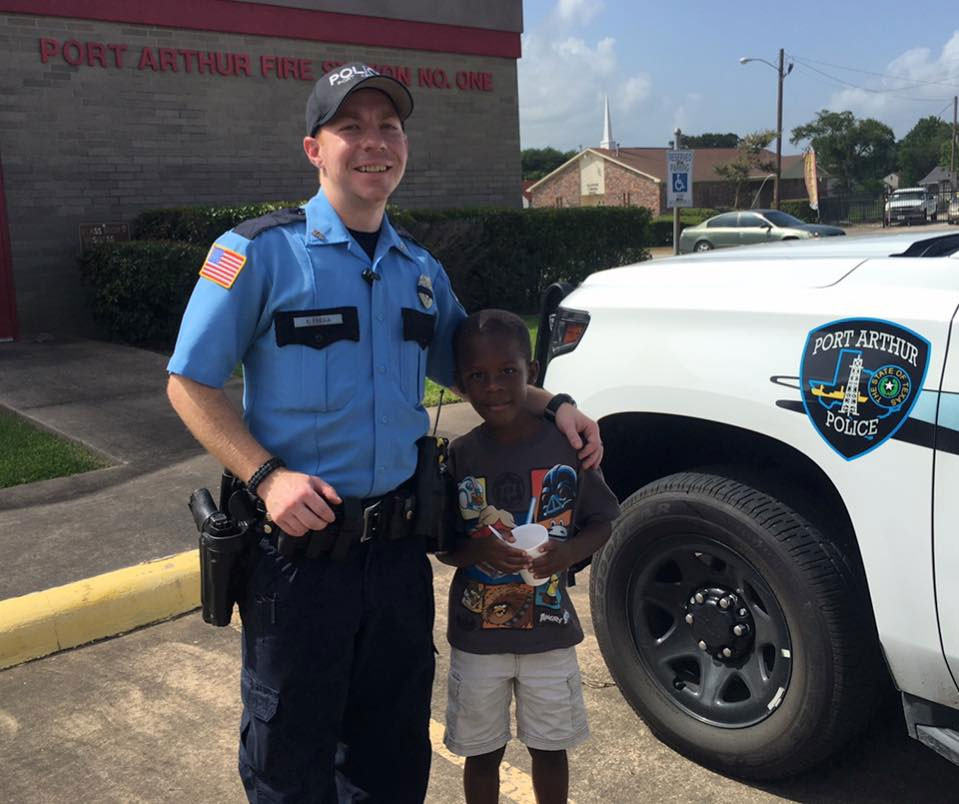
[222, 265]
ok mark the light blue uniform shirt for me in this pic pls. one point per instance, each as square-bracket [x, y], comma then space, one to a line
[346, 410]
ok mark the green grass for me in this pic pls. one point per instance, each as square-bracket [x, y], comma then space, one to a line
[431, 395]
[30, 454]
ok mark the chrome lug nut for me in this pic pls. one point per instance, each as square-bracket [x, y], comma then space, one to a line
[692, 601]
[699, 597]
[724, 603]
[702, 645]
[689, 619]
[742, 612]
[727, 652]
[739, 630]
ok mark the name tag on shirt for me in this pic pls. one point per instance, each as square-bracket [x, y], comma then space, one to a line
[316, 320]
[316, 328]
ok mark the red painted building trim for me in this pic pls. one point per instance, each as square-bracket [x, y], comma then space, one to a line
[224, 16]
[8, 301]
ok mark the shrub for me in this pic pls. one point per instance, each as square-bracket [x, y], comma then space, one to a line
[140, 288]
[506, 258]
[198, 225]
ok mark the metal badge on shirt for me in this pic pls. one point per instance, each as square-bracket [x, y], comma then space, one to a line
[424, 289]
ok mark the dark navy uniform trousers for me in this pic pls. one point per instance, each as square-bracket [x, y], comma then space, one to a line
[338, 666]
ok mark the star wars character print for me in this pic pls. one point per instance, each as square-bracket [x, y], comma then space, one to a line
[498, 488]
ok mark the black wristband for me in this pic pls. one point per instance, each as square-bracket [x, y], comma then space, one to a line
[260, 474]
[553, 406]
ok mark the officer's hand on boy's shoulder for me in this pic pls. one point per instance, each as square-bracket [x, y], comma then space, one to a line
[554, 557]
[297, 502]
[573, 423]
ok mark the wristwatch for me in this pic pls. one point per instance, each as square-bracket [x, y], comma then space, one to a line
[549, 413]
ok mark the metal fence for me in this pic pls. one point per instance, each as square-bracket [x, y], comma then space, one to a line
[852, 209]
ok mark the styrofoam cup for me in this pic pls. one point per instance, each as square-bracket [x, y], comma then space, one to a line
[530, 538]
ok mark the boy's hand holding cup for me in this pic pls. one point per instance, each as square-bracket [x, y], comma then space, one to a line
[531, 539]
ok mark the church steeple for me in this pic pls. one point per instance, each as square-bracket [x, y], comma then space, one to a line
[608, 142]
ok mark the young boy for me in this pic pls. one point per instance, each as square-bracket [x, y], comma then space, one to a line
[513, 469]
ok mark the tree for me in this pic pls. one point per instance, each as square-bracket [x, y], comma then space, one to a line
[857, 152]
[749, 160]
[711, 140]
[537, 162]
[922, 148]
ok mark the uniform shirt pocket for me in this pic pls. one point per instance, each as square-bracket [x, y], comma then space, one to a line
[418, 330]
[321, 348]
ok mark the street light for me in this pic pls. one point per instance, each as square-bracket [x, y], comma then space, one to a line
[779, 118]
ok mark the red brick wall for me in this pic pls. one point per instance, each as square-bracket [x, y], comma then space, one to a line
[643, 192]
[566, 185]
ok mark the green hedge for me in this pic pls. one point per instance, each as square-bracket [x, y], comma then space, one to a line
[662, 226]
[505, 258]
[199, 225]
[494, 257]
[140, 288]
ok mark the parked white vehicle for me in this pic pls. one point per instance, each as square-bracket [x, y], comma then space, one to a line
[912, 205]
[782, 423]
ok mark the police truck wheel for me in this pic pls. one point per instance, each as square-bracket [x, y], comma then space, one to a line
[733, 627]
[704, 245]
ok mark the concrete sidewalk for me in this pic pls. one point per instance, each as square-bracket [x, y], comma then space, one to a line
[86, 537]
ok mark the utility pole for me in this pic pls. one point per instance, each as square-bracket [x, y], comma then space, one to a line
[779, 133]
[677, 144]
[952, 156]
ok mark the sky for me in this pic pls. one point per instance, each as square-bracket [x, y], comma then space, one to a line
[666, 65]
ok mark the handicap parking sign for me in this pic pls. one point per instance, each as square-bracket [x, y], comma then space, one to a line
[679, 169]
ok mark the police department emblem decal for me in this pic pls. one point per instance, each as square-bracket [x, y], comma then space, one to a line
[860, 378]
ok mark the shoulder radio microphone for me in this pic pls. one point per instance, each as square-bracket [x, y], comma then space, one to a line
[370, 275]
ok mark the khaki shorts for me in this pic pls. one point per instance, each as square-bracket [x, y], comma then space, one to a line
[550, 714]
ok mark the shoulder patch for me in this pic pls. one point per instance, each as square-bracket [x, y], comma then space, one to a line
[407, 236]
[222, 265]
[281, 217]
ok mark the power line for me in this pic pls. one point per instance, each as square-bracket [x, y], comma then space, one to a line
[888, 92]
[913, 81]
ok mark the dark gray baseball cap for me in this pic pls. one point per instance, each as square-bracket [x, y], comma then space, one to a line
[336, 86]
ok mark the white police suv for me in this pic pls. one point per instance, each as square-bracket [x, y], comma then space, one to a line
[782, 424]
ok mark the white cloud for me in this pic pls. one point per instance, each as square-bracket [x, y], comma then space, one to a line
[915, 84]
[563, 79]
[578, 11]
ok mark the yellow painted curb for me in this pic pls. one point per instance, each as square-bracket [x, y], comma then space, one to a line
[41, 623]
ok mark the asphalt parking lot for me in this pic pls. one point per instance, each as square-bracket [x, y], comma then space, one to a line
[152, 716]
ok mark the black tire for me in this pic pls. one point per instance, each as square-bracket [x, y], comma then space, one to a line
[769, 716]
[925, 217]
[935, 216]
[703, 245]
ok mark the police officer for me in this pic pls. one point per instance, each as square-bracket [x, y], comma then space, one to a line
[337, 317]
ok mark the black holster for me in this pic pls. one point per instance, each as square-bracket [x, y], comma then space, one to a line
[435, 491]
[224, 546]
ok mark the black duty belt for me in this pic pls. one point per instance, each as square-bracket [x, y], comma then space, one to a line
[355, 521]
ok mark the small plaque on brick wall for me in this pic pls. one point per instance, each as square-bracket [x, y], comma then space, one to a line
[95, 234]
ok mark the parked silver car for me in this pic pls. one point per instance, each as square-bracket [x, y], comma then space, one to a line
[750, 226]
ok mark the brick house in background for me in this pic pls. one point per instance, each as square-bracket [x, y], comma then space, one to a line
[617, 177]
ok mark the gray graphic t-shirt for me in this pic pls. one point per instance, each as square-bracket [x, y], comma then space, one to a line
[499, 487]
